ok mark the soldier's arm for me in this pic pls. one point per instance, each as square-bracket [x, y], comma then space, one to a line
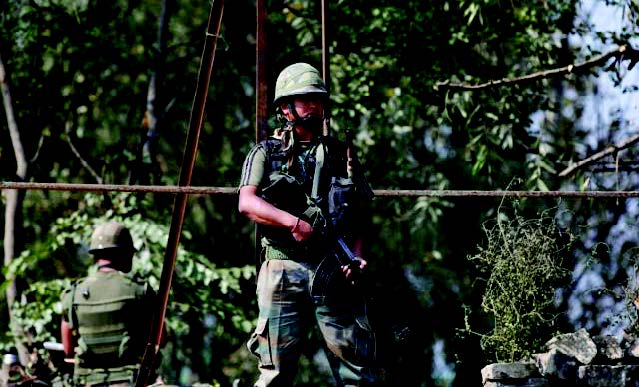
[253, 205]
[66, 334]
[263, 212]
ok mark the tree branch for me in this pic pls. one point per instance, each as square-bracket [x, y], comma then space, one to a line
[77, 154]
[621, 53]
[601, 154]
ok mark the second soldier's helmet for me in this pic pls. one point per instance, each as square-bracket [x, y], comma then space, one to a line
[297, 79]
[111, 235]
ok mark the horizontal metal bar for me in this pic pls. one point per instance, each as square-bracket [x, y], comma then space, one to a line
[118, 188]
[378, 192]
[512, 194]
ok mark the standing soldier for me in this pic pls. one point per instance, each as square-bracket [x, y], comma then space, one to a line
[303, 191]
[107, 316]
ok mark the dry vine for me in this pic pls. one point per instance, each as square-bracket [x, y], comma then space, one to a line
[523, 262]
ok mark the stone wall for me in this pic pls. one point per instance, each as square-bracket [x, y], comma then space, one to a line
[574, 359]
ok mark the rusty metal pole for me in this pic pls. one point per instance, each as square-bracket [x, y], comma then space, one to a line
[261, 99]
[326, 70]
[261, 67]
[179, 206]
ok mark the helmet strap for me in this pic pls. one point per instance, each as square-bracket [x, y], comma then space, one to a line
[296, 117]
[313, 124]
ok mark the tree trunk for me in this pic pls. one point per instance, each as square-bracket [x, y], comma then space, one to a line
[13, 206]
[146, 170]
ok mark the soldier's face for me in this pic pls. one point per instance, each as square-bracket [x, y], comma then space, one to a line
[308, 105]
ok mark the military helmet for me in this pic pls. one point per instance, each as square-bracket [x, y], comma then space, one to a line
[297, 79]
[111, 235]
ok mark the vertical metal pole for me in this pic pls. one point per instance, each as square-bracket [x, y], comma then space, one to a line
[261, 99]
[261, 95]
[326, 71]
[186, 171]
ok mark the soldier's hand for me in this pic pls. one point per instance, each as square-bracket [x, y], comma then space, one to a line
[352, 270]
[302, 230]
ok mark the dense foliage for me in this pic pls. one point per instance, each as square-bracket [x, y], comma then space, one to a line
[79, 74]
[523, 262]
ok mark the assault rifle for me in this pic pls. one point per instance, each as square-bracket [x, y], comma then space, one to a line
[326, 231]
[354, 173]
[342, 193]
[351, 153]
[328, 272]
[348, 257]
[354, 168]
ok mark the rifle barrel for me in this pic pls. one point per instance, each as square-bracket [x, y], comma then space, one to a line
[349, 253]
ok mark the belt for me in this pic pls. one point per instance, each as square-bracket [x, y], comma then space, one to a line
[280, 252]
[302, 254]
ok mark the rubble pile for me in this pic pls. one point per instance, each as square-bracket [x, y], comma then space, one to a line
[573, 359]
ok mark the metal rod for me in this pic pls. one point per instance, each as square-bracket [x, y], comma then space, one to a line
[505, 194]
[186, 171]
[261, 66]
[118, 188]
[326, 69]
[191, 190]
[261, 99]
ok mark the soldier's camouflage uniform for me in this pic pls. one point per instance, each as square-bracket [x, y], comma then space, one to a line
[300, 285]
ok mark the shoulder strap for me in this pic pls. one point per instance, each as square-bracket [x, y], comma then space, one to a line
[319, 163]
[72, 318]
[276, 157]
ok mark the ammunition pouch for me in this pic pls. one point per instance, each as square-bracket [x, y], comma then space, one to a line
[341, 196]
[286, 193]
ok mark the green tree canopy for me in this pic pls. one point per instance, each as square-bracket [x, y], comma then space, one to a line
[448, 95]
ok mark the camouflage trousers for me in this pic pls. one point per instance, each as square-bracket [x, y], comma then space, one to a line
[288, 312]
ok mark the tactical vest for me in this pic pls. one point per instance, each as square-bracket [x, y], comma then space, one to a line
[109, 314]
[326, 190]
